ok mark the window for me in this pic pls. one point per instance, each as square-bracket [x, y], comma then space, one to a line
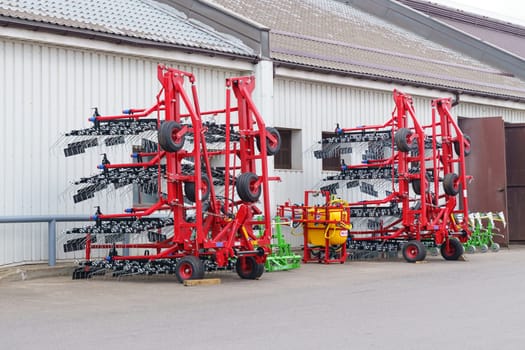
[331, 156]
[146, 194]
[290, 154]
[283, 158]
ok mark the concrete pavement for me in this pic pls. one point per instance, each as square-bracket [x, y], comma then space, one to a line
[474, 304]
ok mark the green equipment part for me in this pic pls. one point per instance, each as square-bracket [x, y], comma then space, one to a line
[482, 237]
[281, 258]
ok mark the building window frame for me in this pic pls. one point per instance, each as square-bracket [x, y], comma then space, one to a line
[289, 156]
[330, 163]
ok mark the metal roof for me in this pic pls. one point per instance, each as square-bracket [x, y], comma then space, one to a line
[336, 36]
[508, 36]
[147, 20]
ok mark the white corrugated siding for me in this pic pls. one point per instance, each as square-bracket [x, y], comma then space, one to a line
[315, 107]
[470, 110]
[46, 91]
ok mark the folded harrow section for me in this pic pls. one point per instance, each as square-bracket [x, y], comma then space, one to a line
[409, 189]
[210, 199]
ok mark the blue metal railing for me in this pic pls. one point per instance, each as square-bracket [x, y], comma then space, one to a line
[51, 230]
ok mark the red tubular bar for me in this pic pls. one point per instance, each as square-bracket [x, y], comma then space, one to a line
[248, 116]
[213, 112]
[143, 113]
[390, 122]
[447, 122]
[160, 205]
[154, 161]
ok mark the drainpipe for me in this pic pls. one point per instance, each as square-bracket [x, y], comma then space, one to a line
[455, 101]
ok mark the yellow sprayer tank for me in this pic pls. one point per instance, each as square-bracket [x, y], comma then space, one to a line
[331, 222]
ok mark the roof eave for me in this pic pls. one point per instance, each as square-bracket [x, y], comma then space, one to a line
[438, 10]
[393, 80]
[116, 39]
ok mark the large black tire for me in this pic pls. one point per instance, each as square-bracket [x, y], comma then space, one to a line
[189, 267]
[401, 139]
[414, 251]
[416, 184]
[189, 189]
[452, 249]
[450, 184]
[246, 188]
[167, 131]
[271, 147]
[467, 148]
[248, 268]
[260, 270]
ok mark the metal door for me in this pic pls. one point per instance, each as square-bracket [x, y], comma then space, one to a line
[515, 150]
[487, 192]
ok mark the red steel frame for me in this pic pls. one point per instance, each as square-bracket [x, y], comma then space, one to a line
[429, 220]
[438, 217]
[213, 233]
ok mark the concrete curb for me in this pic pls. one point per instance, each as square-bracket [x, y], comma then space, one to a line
[31, 272]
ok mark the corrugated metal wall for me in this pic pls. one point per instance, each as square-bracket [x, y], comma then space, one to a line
[46, 91]
[316, 107]
[470, 110]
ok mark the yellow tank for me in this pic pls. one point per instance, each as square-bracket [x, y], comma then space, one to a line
[335, 230]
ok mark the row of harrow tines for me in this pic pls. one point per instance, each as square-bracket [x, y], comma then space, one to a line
[115, 130]
[146, 177]
[208, 181]
[405, 182]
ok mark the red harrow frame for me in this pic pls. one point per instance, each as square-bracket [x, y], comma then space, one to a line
[208, 229]
[428, 158]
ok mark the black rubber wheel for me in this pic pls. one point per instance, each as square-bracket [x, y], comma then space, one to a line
[452, 249]
[416, 184]
[247, 190]
[248, 268]
[167, 136]
[271, 147]
[414, 251]
[401, 139]
[467, 148]
[189, 267]
[260, 270]
[450, 184]
[189, 189]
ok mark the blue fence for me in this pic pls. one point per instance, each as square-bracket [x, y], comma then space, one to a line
[51, 230]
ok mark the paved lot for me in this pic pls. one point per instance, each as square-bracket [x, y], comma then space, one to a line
[477, 304]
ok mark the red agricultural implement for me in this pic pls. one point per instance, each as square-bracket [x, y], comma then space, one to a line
[212, 209]
[425, 196]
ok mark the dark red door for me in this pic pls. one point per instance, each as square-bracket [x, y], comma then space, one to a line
[487, 192]
[515, 150]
